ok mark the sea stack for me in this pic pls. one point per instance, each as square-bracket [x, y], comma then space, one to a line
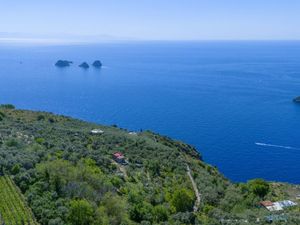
[97, 64]
[297, 99]
[63, 63]
[84, 65]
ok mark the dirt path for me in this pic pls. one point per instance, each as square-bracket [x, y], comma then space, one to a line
[198, 195]
[121, 168]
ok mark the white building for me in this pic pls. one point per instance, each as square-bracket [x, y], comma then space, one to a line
[278, 206]
[97, 131]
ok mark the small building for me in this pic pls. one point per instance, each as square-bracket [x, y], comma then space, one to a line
[133, 133]
[266, 203]
[277, 206]
[119, 157]
[286, 203]
[270, 206]
[298, 197]
[97, 131]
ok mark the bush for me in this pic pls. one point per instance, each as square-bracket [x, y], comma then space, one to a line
[259, 187]
[40, 140]
[160, 213]
[141, 211]
[81, 212]
[56, 221]
[112, 209]
[15, 169]
[182, 200]
[2, 115]
[40, 117]
[12, 143]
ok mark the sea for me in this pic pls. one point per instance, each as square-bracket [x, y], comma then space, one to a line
[232, 100]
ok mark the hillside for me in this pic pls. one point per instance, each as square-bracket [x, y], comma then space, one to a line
[68, 175]
[12, 205]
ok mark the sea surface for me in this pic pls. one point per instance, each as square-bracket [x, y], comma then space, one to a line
[231, 100]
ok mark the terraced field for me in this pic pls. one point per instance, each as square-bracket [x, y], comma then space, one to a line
[13, 209]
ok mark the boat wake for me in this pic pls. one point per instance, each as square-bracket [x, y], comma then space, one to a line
[276, 146]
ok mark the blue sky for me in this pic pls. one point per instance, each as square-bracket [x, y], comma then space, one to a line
[151, 19]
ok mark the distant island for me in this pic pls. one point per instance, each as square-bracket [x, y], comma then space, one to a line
[84, 65]
[97, 64]
[297, 99]
[66, 63]
[53, 167]
[63, 63]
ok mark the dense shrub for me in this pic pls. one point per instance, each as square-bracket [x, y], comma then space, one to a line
[182, 200]
[81, 212]
[259, 187]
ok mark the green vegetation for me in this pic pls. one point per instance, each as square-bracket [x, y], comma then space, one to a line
[67, 176]
[182, 200]
[259, 187]
[7, 106]
[81, 212]
[13, 208]
[2, 115]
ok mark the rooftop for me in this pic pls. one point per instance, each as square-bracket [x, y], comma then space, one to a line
[118, 155]
[277, 206]
[266, 203]
[97, 131]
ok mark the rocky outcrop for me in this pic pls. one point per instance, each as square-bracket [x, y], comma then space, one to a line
[97, 64]
[297, 99]
[63, 63]
[84, 65]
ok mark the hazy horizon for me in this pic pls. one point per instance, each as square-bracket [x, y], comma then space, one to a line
[98, 21]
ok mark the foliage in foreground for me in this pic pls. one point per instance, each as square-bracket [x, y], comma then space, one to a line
[68, 176]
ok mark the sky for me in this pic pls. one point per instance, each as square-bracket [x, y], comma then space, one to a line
[96, 20]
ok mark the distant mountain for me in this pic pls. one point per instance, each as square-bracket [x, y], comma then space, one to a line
[15, 37]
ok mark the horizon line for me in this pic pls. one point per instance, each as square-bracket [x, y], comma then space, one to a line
[67, 41]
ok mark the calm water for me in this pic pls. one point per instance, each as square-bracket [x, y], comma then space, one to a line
[222, 97]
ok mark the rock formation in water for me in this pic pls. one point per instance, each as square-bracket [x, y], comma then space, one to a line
[84, 65]
[63, 63]
[297, 99]
[97, 64]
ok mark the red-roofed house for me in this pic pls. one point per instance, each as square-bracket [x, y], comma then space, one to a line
[266, 203]
[272, 206]
[119, 157]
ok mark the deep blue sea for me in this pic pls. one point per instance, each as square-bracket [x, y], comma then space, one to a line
[232, 100]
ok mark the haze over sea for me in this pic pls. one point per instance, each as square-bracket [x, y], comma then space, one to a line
[231, 100]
